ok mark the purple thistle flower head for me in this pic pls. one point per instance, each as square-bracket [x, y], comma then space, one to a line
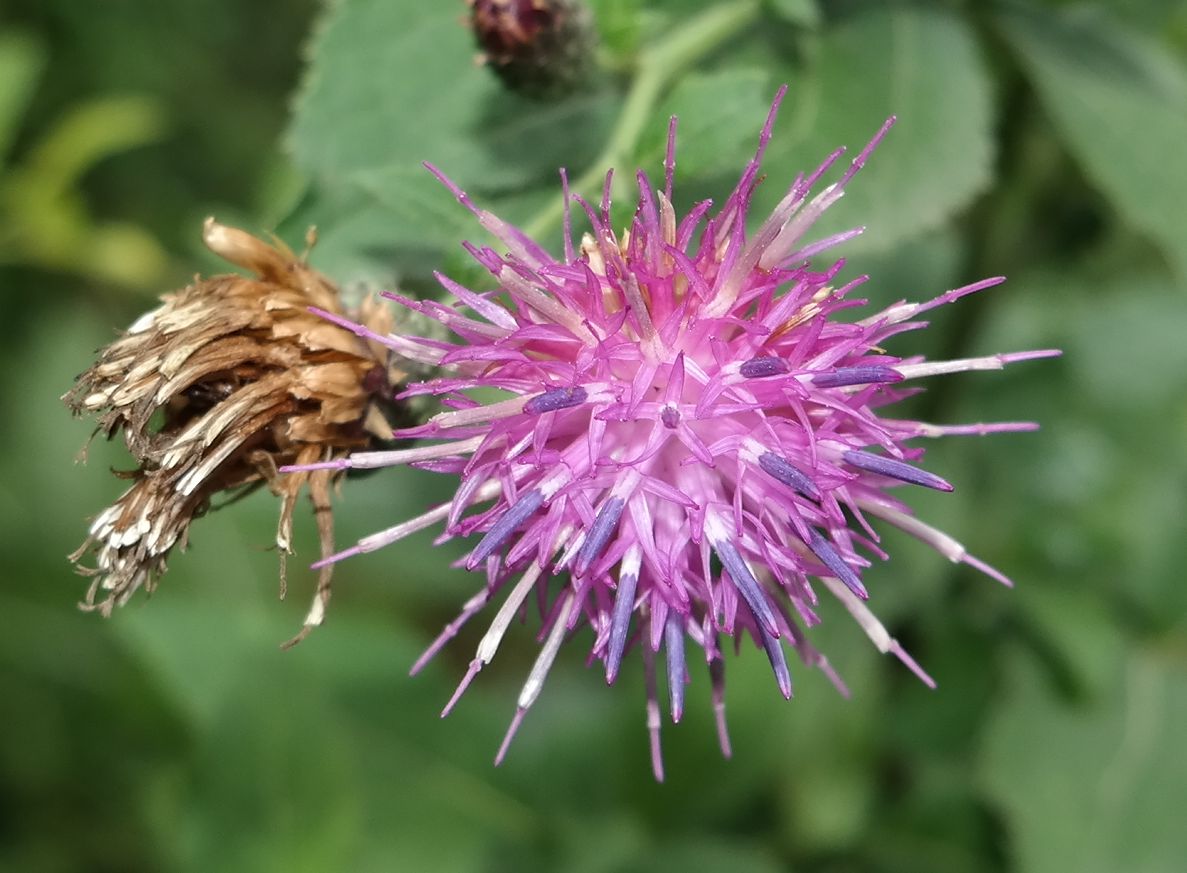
[684, 432]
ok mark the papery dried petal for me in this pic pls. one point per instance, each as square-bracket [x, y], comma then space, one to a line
[229, 379]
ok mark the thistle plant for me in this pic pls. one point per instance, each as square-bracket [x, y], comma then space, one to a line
[670, 439]
[672, 460]
[687, 444]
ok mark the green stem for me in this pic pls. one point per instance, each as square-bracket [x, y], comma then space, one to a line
[658, 67]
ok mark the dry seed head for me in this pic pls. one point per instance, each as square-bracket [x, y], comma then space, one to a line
[231, 378]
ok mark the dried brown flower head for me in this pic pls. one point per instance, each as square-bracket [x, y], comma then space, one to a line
[229, 379]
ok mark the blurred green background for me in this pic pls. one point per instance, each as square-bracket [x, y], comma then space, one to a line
[1042, 140]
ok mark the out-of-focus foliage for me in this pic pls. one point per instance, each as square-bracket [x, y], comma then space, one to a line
[1036, 139]
[44, 222]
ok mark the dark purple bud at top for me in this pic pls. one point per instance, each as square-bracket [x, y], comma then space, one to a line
[605, 523]
[828, 556]
[856, 376]
[501, 530]
[758, 368]
[557, 398]
[620, 623]
[540, 48]
[900, 470]
[783, 470]
[748, 586]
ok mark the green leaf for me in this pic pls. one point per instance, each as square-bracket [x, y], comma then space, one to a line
[391, 85]
[709, 852]
[921, 65]
[1153, 16]
[1119, 99]
[1075, 630]
[300, 810]
[720, 115]
[362, 129]
[379, 227]
[21, 62]
[92, 131]
[386, 227]
[822, 766]
[344, 754]
[1095, 495]
[804, 13]
[1094, 788]
[618, 24]
[1118, 372]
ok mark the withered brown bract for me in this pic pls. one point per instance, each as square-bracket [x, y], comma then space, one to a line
[228, 380]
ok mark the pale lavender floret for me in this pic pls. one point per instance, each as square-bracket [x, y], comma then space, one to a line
[653, 716]
[557, 398]
[674, 649]
[832, 559]
[748, 586]
[759, 368]
[895, 469]
[717, 679]
[357, 329]
[508, 522]
[624, 605]
[659, 392]
[472, 607]
[843, 376]
[778, 659]
[787, 473]
[599, 534]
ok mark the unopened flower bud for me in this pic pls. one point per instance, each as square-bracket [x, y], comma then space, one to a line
[539, 48]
